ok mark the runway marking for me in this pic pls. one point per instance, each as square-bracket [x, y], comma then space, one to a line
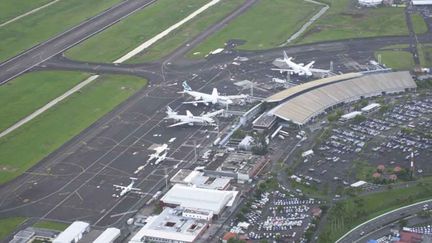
[28, 13]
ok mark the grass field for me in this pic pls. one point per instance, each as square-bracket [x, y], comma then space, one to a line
[12, 8]
[343, 21]
[38, 27]
[396, 59]
[347, 214]
[8, 225]
[23, 95]
[267, 24]
[425, 54]
[51, 225]
[134, 30]
[186, 32]
[419, 24]
[30, 143]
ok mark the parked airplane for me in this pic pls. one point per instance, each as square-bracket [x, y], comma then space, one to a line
[213, 98]
[190, 119]
[159, 152]
[286, 65]
[126, 189]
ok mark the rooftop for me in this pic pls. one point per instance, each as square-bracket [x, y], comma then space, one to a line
[170, 224]
[76, 228]
[199, 198]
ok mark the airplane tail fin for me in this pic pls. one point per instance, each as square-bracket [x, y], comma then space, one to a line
[286, 58]
[186, 87]
[170, 111]
[189, 114]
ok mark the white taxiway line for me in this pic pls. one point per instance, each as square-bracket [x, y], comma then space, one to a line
[120, 60]
[28, 13]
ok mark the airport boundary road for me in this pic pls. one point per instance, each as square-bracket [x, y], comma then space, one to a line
[354, 234]
[42, 52]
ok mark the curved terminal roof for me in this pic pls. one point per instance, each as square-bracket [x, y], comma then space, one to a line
[301, 108]
[285, 94]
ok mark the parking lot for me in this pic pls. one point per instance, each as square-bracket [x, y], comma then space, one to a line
[353, 150]
[277, 215]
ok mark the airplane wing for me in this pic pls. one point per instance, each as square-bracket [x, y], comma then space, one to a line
[135, 189]
[242, 96]
[212, 114]
[179, 124]
[316, 70]
[119, 187]
[195, 102]
[283, 69]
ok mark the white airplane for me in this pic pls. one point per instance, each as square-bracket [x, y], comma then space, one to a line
[159, 152]
[286, 65]
[213, 98]
[129, 188]
[190, 119]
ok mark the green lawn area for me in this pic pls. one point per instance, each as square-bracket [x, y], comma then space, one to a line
[10, 9]
[345, 215]
[425, 54]
[42, 25]
[267, 24]
[419, 24]
[27, 145]
[126, 35]
[23, 95]
[8, 225]
[51, 225]
[398, 60]
[186, 32]
[343, 21]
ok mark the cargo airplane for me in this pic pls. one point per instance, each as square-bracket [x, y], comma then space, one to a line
[190, 119]
[213, 98]
[126, 189]
[286, 65]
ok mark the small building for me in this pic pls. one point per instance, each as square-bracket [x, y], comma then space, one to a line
[422, 2]
[228, 236]
[358, 184]
[108, 236]
[264, 122]
[73, 233]
[371, 108]
[170, 227]
[350, 115]
[200, 179]
[246, 143]
[316, 212]
[370, 3]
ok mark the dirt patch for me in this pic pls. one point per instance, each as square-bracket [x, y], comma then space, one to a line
[5, 168]
[354, 15]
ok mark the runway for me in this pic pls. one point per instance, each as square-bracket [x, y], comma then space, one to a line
[40, 53]
[76, 181]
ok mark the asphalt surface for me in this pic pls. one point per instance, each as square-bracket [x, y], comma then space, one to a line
[40, 53]
[76, 181]
[355, 236]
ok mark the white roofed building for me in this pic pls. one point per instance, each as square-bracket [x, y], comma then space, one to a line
[73, 233]
[350, 115]
[170, 227]
[370, 107]
[422, 2]
[370, 3]
[200, 179]
[199, 198]
[108, 236]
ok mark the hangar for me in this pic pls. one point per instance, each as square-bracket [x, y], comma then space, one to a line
[301, 103]
[210, 200]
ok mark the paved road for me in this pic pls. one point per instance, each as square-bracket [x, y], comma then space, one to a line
[383, 220]
[40, 53]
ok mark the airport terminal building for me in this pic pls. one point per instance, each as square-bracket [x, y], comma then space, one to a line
[302, 103]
